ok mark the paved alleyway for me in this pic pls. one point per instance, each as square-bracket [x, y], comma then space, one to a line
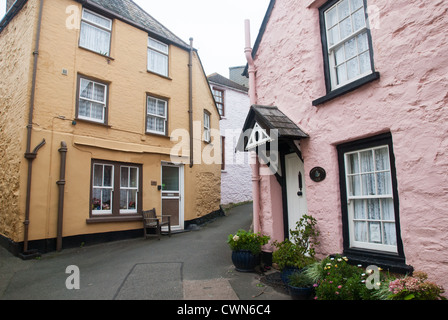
[194, 265]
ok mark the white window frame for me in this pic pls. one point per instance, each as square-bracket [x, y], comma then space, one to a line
[207, 129]
[157, 116]
[159, 49]
[351, 202]
[218, 94]
[103, 102]
[129, 188]
[333, 47]
[94, 24]
[102, 188]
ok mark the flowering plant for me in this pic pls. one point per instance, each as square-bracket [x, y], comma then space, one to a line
[246, 240]
[415, 288]
[336, 279]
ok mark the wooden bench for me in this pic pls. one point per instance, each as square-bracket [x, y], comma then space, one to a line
[151, 221]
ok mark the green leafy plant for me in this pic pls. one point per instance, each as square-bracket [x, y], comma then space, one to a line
[247, 240]
[299, 251]
[300, 280]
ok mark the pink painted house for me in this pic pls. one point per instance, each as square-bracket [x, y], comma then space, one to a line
[364, 87]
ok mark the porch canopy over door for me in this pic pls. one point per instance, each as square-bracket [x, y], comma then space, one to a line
[272, 135]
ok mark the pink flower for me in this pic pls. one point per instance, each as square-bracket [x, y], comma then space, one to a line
[339, 286]
[337, 292]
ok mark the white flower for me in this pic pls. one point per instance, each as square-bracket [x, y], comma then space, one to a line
[236, 238]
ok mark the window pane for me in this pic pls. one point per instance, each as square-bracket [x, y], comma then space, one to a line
[97, 111]
[108, 178]
[340, 55]
[124, 199]
[353, 163]
[373, 209]
[384, 183]
[346, 28]
[106, 199]
[99, 93]
[359, 20]
[157, 62]
[360, 210]
[353, 68]
[157, 45]
[363, 44]
[366, 161]
[341, 73]
[94, 38]
[387, 207]
[368, 184]
[86, 89]
[96, 200]
[98, 175]
[84, 108]
[161, 108]
[124, 180]
[332, 17]
[343, 9]
[132, 199]
[382, 159]
[375, 232]
[333, 35]
[133, 178]
[152, 105]
[97, 19]
[364, 63]
[170, 178]
[355, 185]
[356, 4]
[390, 236]
[360, 231]
[351, 49]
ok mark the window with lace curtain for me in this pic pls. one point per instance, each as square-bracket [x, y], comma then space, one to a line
[158, 57]
[92, 100]
[95, 32]
[156, 115]
[369, 195]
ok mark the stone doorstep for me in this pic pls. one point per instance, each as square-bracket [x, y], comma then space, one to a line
[214, 289]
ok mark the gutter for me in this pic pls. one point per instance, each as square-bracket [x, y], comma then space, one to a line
[255, 164]
[30, 156]
[190, 100]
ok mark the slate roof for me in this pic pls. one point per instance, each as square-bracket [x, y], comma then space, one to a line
[219, 79]
[271, 117]
[129, 12]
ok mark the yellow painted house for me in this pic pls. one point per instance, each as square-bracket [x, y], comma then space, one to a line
[96, 97]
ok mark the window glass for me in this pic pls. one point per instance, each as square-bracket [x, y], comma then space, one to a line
[95, 32]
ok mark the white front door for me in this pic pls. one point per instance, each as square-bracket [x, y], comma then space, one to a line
[172, 194]
[295, 189]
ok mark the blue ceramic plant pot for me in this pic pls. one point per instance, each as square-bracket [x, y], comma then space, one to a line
[245, 261]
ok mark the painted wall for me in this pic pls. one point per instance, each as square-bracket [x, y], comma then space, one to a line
[409, 100]
[236, 184]
[123, 140]
[15, 82]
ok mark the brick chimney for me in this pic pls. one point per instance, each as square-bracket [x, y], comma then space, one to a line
[9, 4]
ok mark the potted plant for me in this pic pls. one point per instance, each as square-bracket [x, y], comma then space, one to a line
[294, 254]
[300, 286]
[246, 249]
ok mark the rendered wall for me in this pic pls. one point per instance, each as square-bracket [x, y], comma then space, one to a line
[236, 181]
[123, 139]
[15, 81]
[409, 100]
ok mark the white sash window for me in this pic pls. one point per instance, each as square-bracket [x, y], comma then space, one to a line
[95, 32]
[158, 57]
[370, 199]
